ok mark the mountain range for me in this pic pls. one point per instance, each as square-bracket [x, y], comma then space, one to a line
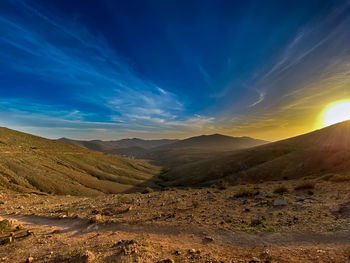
[33, 164]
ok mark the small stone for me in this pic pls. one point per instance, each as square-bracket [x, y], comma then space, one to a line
[19, 227]
[279, 202]
[95, 218]
[177, 252]
[167, 260]
[30, 260]
[260, 197]
[254, 260]
[192, 251]
[85, 257]
[269, 195]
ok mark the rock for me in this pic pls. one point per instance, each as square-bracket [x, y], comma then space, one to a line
[192, 251]
[177, 252]
[254, 260]
[260, 197]
[84, 257]
[30, 260]
[30, 233]
[279, 202]
[19, 227]
[299, 199]
[167, 260]
[2, 202]
[95, 219]
[269, 195]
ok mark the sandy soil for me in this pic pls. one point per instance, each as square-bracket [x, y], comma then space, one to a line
[193, 225]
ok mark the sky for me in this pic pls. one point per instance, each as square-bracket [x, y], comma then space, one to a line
[171, 69]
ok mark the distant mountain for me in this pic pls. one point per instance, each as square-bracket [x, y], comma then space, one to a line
[170, 153]
[128, 147]
[33, 164]
[197, 148]
[216, 142]
[313, 154]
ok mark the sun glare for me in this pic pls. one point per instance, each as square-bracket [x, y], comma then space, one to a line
[337, 112]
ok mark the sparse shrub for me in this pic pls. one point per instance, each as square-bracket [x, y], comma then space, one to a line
[4, 224]
[244, 192]
[339, 178]
[223, 186]
[281, 190]
[195, 204]
[305, 185]
[125, 199]
[147, 190]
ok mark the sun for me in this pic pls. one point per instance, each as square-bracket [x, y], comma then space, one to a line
[337, 112]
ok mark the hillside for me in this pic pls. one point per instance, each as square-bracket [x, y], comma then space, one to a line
[216, 142]
[198, 148]
[313, 154]
[171, 153]
[31, 164]
[106, 146]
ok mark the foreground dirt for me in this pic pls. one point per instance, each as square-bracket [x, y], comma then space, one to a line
[193, 225]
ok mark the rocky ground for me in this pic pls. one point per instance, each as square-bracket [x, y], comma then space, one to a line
[269, 222]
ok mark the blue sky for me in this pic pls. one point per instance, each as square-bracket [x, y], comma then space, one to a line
[114, 69]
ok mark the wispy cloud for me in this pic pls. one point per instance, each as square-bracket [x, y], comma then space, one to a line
[261, 97]
[87, 70]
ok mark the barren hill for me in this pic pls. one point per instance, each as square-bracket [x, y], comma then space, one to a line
[313, 154]
[170, 153]
[216, 142]
[31, 164]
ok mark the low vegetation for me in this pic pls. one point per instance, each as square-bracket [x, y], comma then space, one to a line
[245, 192]
[281, 189]
[305, 185]
[339, 178]
[147, 190]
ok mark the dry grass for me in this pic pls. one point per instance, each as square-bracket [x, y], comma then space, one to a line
[339, 178]
[305, 185]
[147, 190]
[33, 164]
[281, 190]
[245, 192]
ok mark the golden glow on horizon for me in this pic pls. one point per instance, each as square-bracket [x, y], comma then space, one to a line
[336, 112]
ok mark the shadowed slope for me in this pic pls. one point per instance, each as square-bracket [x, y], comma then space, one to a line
[313, 154]
[31, 163]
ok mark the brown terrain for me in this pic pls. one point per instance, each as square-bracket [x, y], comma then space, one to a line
[287, 201]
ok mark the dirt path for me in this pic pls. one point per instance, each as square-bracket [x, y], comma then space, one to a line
[221, 236]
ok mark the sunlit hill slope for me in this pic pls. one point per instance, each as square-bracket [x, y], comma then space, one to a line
[30, 163]
[313, 154]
